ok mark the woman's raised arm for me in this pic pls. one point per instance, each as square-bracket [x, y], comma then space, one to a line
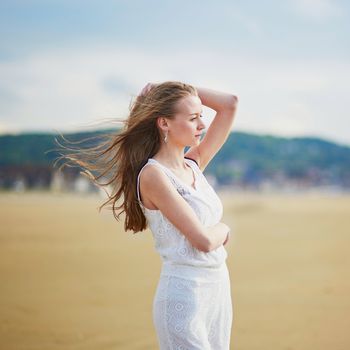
[225, 106]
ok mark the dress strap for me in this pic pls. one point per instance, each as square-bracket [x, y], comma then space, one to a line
[138, 183]
[193, 161]
[194, 165]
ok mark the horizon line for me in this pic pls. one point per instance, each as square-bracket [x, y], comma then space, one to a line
[56, 132]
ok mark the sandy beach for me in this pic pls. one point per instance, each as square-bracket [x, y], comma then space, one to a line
[71, 278]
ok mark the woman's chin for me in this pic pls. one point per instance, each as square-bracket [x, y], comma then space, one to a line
[195, 142]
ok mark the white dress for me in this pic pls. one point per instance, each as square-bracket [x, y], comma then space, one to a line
[192, 307]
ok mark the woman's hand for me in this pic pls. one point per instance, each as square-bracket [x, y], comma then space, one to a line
[227, 238]
[227, 230]
[146, 89]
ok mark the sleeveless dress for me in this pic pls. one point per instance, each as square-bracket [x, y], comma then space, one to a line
[192, 307]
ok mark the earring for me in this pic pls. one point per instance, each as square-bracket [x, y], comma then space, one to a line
[166, 137]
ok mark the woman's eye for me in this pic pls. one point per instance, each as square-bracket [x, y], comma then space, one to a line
[196, 117]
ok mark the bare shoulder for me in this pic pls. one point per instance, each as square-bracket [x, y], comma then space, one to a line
[151, 175]
[153, 181]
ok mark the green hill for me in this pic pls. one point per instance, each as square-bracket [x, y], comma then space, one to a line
[245, 159]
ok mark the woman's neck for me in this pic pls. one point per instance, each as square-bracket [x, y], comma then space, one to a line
[173, 158]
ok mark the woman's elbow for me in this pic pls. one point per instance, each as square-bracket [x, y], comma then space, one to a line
[232, 102]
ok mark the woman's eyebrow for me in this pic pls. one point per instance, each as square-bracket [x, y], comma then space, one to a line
[196, 113]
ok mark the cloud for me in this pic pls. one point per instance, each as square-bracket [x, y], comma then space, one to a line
[115, 85]
[9, 99]
[68, 89]
[317, 9]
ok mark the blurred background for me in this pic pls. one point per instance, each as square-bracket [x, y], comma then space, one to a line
[71, 277]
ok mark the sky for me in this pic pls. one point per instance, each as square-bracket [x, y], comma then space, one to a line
[73, 65]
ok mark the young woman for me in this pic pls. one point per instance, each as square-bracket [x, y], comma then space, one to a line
[164, 188]
[192, 307]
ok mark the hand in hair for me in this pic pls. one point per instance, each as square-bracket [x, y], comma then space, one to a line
[146, 89]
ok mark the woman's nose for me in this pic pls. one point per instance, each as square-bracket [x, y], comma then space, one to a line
[201, 125]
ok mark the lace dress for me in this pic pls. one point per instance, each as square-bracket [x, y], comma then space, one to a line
[192, 307]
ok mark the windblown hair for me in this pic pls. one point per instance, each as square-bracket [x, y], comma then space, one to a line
[114, 163]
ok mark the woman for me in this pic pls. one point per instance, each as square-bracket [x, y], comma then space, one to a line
[192, 307]
[165, 188]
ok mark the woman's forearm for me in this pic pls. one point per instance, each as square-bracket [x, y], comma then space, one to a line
[217, 235]
[215, 99]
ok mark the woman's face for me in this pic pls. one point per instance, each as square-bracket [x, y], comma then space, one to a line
[187, 126]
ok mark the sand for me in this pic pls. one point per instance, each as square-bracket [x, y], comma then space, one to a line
[71, 278]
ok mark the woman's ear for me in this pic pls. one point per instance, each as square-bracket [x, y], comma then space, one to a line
[163, 123]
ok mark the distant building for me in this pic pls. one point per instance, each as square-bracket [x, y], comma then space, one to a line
[83, 185]
[19, 185]
[58, 183]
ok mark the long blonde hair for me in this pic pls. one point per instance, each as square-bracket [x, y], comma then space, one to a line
[117, 159]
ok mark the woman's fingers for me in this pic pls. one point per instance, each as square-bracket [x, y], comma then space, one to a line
[142, 91]
[147, 88]
[227, 238]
